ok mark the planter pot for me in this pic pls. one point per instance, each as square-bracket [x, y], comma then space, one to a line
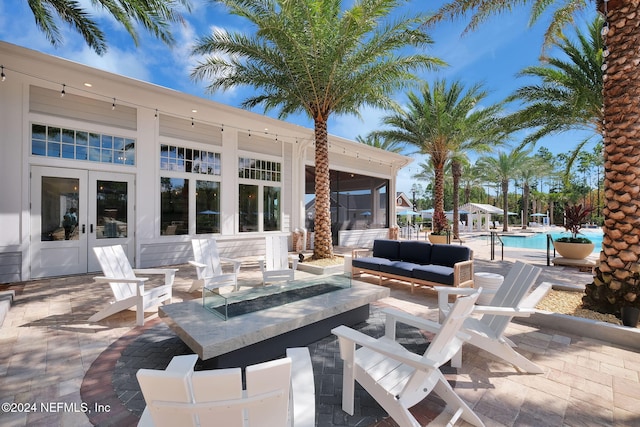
[630, 316]
[434, 238]
[574, 250]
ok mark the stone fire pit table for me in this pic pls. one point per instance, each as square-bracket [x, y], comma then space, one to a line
[265, 334]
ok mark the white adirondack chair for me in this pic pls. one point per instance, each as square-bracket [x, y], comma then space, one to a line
[275, 265]
[399, 379]
[511, 299]
[208, 263]
[128, 289]
[279, 393]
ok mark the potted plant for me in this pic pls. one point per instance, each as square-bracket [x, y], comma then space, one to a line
[574, 247]
[440, 233]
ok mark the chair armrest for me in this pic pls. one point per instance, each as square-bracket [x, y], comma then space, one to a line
[536, 295]
[197, 264]
[503, 311]
[155, 270]
[383, 347]
[294, 261]
[395, 315]
[445, 291]
[102, 279]
[303, 397]
[182, 364]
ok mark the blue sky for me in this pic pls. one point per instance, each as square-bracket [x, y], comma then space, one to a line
[491, 55]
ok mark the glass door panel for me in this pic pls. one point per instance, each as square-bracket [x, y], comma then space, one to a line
[58, 222]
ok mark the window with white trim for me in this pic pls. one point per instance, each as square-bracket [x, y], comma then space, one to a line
[260, 195]
[190, 190]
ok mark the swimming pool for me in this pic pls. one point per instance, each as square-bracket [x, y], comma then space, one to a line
[539, 240]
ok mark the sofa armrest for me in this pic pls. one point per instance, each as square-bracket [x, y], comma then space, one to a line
[356, 253]
[463, 274]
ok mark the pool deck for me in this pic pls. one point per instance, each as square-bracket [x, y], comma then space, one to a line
[51, 355]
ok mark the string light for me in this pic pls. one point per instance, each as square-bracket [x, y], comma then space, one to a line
[346, 150]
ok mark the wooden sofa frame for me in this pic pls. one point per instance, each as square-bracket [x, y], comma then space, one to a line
[462, 273]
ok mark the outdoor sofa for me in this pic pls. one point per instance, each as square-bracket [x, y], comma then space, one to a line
[419, 263]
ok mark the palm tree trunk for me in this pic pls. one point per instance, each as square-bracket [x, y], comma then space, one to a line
[323, 245]
[505, 205]
[525, 205]
[438, 189]
[456, 169]
[615, 278]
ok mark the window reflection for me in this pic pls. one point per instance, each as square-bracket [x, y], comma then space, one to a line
[111, 205]
[59, 207]
[207, 207]
[174, 206]
[248, 207]
[271, 200]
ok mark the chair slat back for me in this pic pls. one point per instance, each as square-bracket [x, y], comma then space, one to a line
[114, 263]
[216, 386]
[276, 253]
[220, 400]
[205, 251]
[444, 345]
[263, 378]
[511, 293]
[159, 387]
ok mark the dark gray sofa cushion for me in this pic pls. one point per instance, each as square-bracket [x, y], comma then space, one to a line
[370, 263]
[389, 249]
[448, 255]
[434, 273]
[416, 252]
[399, 268]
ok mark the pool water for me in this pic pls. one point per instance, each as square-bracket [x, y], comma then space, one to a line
[539, 240]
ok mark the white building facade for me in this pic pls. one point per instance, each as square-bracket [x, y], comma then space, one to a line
[91, 158]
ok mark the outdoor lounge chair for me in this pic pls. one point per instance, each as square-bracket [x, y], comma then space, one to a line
[399, 379]
[275, 265]
[128, 289]
[511, 299]
[208, 263]
[278, 393]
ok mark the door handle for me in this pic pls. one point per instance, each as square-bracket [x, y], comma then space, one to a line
[91, 228]
[83, 229]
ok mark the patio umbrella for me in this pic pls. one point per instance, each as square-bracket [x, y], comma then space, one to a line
[538, 214]
[408, 213]
[208, 212]
[367, 213]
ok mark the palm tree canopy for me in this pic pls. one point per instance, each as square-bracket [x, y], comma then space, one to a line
[377, 141]
[562, 13]
[442, 119]
[310, 56]
[153, 15]
[569, 96]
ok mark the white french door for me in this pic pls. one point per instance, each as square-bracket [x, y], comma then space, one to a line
[74, 210]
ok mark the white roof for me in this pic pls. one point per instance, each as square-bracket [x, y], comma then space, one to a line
[481, 208]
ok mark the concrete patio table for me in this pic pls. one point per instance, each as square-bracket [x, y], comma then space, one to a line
[265, 334]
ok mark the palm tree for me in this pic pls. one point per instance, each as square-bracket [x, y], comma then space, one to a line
[569, 96]
[310, 56]
[441, 120]
[154, 15]
[533, 168]
[379, 142]
[503, 169]
[620, 255]
[471, 178]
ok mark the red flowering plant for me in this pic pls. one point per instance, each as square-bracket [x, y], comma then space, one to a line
[574, 217]
[440, 223]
